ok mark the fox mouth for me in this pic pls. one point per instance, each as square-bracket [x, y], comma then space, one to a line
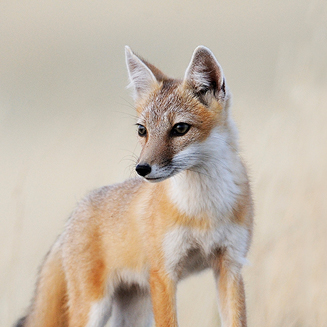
[154, 179]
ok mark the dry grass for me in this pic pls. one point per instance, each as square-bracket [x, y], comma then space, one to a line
[287, 281]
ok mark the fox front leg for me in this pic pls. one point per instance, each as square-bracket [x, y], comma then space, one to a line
[163, 293]
[231, 295]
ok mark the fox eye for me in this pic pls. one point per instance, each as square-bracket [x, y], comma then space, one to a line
[180, 129]
[141, 130]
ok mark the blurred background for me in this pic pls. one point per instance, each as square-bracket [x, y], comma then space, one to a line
[66, 127]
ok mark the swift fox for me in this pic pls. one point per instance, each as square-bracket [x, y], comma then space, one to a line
[126, 246]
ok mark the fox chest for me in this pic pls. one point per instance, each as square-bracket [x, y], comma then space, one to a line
[188, 251]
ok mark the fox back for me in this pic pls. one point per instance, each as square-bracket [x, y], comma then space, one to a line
[126, 246]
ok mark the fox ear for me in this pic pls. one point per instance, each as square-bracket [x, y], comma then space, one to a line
[142, 78]
[205, 76]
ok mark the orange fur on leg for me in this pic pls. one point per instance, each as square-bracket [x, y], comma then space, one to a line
[163, 299]
[230, 292]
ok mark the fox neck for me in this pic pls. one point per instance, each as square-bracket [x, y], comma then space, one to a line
[212, 188]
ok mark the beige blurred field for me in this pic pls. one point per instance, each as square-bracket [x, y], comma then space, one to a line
[66, 127]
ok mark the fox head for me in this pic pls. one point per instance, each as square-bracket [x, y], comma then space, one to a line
[177, 118]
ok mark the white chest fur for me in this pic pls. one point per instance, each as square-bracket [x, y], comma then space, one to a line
[211, 182]
[183, 242]
[211, 188]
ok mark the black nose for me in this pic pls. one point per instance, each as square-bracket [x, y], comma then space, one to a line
[143, 169]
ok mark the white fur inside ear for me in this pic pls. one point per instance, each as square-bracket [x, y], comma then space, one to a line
[204, 69]
[140, 76]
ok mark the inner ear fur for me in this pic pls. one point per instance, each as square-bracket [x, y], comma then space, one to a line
[205, 76]
[159, 75]
[143, 76]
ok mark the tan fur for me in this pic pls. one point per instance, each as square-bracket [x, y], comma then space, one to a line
[51, 289]
[163, 299]
[121, 240]
[231, 294]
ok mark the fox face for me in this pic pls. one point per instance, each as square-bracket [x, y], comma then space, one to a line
[175, 117]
